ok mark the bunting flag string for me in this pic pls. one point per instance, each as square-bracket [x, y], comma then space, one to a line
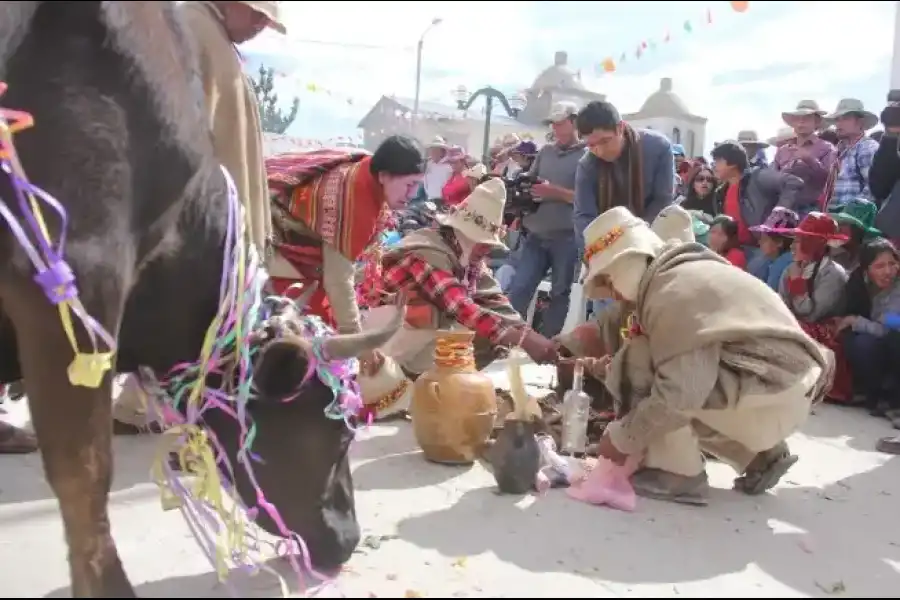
[610, 64]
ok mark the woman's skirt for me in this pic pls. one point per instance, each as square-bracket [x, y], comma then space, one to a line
[826, 333]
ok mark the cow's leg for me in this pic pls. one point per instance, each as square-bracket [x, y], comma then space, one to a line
[74, 429]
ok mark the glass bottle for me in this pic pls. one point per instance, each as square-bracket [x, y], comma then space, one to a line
[576, 411]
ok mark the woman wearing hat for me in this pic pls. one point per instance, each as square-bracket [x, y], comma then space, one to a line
[458, 186]
[805, 154]
[812, 287]
[443, 270]
[856, 220]
[730, 372]
[754, 147]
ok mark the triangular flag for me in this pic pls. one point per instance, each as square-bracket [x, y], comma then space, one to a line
[623, 58]
[709, 16]
[638, 52]
[688, 27]
[609, 66]
[643, 45]
[668, 37]
[311, 87]
[652, 45]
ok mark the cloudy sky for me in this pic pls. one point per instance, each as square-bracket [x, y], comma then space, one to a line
[741, 71]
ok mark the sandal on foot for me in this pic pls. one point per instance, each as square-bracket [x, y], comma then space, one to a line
[14, 440]
[757, 481]
[657, 484]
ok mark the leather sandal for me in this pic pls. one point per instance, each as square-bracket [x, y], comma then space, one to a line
[760, 478]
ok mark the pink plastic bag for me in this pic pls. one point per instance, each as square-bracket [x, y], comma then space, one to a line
[608, 484]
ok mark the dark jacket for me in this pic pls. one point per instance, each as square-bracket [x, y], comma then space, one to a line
[762, 189]
[884, 183]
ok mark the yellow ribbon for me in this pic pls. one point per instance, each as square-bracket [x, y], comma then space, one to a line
[86, 369]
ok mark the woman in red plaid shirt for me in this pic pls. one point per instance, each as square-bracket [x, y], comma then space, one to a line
[444, 272]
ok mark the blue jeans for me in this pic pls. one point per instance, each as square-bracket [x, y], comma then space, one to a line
[872, 361]
[560, 256]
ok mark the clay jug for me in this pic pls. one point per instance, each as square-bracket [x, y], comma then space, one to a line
[453, 406]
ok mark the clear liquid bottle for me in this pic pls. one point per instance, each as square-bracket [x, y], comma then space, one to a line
[576, 411]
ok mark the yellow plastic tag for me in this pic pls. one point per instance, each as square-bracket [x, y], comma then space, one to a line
[87, 370]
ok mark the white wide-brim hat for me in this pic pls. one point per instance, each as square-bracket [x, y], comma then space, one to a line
[438, 142]
[781, 136]
[480, 216]
[852, 105]
[388, 391]
[748, 137]
[674, 223]
[612, 236]
[271, 9]
[804, 108]
[476, 172]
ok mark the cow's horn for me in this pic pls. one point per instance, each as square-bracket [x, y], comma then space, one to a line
[351, 345]
[303, 299]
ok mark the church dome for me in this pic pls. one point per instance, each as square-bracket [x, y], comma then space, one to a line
[664, 102]
[559, 76]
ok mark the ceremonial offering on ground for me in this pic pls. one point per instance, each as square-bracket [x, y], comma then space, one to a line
[454, 406]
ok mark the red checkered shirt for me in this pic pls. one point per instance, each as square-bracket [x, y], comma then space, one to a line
[445, 291]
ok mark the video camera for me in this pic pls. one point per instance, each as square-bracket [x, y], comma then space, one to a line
[890, 116]
[519, 198]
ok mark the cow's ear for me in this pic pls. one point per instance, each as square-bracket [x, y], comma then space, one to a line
[280, 368]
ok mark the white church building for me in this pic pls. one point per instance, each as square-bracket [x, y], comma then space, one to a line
[663, 111]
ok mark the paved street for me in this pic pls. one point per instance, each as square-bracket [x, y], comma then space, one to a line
[831, 529]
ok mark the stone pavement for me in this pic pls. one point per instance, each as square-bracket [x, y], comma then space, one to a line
[830, 529]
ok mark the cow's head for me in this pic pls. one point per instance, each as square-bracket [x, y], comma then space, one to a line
[303, 466]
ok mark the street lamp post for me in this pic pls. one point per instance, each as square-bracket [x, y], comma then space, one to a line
[415, 114]
[513, 106]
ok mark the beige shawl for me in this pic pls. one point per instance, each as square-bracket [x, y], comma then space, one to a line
[233, 116]
[690, 298]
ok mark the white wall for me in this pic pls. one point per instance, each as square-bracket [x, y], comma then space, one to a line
[668, 125]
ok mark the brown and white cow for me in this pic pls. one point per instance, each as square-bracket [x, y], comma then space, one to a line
[121, 140]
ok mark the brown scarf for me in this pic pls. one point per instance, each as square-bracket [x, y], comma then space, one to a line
[633, 197]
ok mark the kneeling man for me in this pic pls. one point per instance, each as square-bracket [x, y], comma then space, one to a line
[719, 363]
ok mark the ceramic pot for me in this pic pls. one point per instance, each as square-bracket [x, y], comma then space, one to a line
[453, 406]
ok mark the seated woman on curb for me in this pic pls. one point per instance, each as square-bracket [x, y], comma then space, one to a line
[698, 371]
[870, 331]
[444, 274]
[812, 287]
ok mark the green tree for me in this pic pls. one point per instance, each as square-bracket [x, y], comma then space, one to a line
[273, 118]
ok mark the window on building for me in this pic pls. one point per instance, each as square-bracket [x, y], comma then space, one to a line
[676, 135]
[691, 141]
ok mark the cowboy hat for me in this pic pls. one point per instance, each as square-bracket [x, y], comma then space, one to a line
[271, 10]
[480, 216]
[780, 219]
[781, 136]
[860, 213]
[386, 392]
[454, 153]
[614, 235]
[814, 225]
[850, 106]
[674, 223]
[748, 137]
[438, 142]
[476, 172]
[804, 108]
[560, 112]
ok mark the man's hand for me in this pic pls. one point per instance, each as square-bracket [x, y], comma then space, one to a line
[846, 322]
[370, 363]
[608, 450]
[597, 367]
[544, 189]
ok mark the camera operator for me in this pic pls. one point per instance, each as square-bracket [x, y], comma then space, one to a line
[884, 176]
[549, 241]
